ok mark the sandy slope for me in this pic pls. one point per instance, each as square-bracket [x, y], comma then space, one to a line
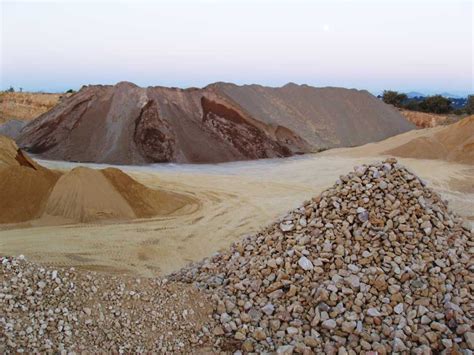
[234, 199]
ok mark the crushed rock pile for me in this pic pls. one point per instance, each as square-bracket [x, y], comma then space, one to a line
[48, 310]
[375, 263]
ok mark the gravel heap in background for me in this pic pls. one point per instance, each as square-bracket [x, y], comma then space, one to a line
[375, 263]
[42, 309]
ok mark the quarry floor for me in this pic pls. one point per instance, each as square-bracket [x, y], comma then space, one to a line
[234, 199]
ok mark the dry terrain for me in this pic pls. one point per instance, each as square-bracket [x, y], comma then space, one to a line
[233, 199]
[25, 106]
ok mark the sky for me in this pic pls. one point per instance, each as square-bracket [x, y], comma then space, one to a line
[417, 45]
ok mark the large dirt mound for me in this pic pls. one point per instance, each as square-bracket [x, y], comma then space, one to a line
[375, 263]
[453, 143]
[127, 124]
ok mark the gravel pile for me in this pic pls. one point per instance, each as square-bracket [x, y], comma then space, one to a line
[47, 310]
[375, 263]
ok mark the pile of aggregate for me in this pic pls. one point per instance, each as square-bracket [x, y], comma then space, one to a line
[376, 263]
[63, 310]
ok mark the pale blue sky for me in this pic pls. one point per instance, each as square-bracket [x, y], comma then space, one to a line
[404, 45]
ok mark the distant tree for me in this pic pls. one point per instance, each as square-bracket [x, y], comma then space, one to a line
[436, 104]
[21, 89]
[470, 105]
[412, 105]
[11, 89]
[393, 98]
[70, 91]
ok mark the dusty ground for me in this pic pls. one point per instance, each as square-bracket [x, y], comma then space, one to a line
[234, 199]
[26, 106]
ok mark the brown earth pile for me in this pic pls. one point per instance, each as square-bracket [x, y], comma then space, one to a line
[26, 106]
[29, 191]
[375, 263]
[453, 143]
[126, 124]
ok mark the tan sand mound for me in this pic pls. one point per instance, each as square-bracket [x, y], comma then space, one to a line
[85, 195]
[145, 202]
[453, 143]
[8, 151]
[23, 192]
[24, 185]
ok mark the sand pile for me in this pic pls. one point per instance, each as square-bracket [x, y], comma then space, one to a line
[453, 143]
[86, 195]
[375, 263]
[47, 310]
[24, 185]
[143, 201]
[29, 191]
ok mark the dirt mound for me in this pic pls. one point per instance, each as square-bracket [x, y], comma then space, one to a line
[126, 124]
[453, 143]
[8, 152]
[375, 263]
[29, 191]
[85, 195]
[23, 192]
[145, 202]
[24, 185]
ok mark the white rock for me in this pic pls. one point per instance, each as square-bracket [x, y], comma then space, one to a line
[329, 324]
[305, 263]
[373, 312]
[287, 227]
[398, 309]
[268, 309]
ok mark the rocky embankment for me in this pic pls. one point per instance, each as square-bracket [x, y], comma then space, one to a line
[375, 263]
